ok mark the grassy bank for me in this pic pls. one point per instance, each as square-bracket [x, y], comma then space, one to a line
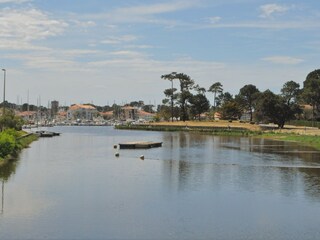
[217, 130]
[307, 140]
[12, 142]
[224, 128]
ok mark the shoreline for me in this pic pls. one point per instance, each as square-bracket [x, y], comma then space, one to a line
[23, 142]
[306, 135]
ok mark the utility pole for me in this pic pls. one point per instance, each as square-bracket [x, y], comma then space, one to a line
[4, 91]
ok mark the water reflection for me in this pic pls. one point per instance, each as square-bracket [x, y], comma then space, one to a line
[249, 164]
[2, 196]
[6, 170]
[194, 187]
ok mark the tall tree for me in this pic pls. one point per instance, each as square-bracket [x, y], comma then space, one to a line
[311, 91]
[186, 84]
[170, 77]
[223, 98]
[290, 91]
[247, 96]
[215, 88]
[199, 102]
[230, 110]
[275, 108]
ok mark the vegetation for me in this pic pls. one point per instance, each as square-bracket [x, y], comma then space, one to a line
[247, 98]
[215, 88]
[9, 120]
[265, 107]
[308, 140]
[12, 139]
[311, 92]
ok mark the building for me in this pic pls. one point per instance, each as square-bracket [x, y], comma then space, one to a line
[80, 112]
[217, 116]
[146, 116]
[28, 116]
[107, 115]
[54, 108]
[128, 113]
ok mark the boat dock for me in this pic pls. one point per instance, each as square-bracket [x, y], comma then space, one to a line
[46, 133]
[135, 145]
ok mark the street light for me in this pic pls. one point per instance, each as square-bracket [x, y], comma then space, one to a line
[4, 91]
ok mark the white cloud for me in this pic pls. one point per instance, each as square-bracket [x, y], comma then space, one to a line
[28, 25]
[283, 60]
[145, 13]
[306, 24]
[15, 44]
[120, 39]
[269, 9]
[15, 1]
[84, 24]
[214, 20]
[158, 8]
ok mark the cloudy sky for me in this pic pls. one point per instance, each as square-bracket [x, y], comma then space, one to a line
[116, 51]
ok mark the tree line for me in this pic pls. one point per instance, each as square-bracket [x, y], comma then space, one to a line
[189, 101]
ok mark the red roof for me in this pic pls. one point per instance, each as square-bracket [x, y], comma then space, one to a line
[144, 113]
[81, 106]
[26, 113]
[109, 113]
[128, 108]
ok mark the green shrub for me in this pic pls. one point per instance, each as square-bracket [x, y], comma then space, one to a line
[7, 144]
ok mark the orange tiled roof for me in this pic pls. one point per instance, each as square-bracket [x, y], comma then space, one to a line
[128, 108]
[79, 106]
[110, 113]
[217, 115]
[144, 113]
[26, 113]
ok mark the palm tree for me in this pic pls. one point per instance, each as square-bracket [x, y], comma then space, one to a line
[215, 88]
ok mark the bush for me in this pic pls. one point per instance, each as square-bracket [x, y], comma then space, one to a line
[7, 144]
[9, 120]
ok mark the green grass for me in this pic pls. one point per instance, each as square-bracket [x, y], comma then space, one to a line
[313, 141]
[221, 131]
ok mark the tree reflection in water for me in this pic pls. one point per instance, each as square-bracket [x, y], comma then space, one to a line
[7, 169]
[250, 164]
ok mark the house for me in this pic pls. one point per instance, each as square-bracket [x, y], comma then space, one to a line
[28, 116]
[246, 116]
[146, 116]
[107, 115]
[307, 112]
[81, 112]
[217, 116]
[61, 116]
[128, 113]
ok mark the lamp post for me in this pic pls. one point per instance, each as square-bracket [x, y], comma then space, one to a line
[4, 91]
[171, 100]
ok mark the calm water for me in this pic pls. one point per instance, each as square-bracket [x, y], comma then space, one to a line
[194, 187]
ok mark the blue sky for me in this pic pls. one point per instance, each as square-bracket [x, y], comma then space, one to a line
[116, 51]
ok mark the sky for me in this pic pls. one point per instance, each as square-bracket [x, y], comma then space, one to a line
[115, 51]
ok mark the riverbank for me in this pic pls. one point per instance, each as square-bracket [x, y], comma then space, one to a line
[18, 141]
[305, 135]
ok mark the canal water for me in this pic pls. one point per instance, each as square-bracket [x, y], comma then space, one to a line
[193, 187]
